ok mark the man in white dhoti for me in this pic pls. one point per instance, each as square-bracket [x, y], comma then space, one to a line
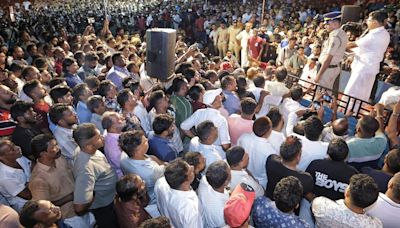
[369, 51]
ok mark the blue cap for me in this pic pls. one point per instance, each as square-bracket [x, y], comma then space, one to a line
[335, 15]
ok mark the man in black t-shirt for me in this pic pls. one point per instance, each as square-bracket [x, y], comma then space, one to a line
[284, 165]
[332, 175]
[390, 167]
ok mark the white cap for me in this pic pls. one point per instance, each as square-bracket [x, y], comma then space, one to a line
[210, 95]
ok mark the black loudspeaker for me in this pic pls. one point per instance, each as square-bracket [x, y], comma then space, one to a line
[160, 53]
[350, 13]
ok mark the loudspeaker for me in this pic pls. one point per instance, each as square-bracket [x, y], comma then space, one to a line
[350, 13]
[160, 53]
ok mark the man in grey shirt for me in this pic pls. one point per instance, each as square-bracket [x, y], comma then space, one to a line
[94, 178]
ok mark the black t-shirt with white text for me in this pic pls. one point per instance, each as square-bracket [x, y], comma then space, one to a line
[277, 171]
[330, 177]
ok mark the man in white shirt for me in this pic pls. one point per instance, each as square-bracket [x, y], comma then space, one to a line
[369, 52]
[292, 104]
[258, 147]
[65, 117]
[242, 39]
[207, 134]
[175, 197]
[277, 137]
[387, 206]
[313, 148]
[238, 160]
[213, 99]
[15, 171]
[213, 195]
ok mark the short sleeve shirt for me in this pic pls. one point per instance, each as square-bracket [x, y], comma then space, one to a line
[94, 177]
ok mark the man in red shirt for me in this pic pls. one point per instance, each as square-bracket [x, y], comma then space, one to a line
[255, 47]
[7, 98]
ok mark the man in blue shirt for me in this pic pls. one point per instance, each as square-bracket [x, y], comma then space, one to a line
[232, 101]
[160, 139]
[118, 72]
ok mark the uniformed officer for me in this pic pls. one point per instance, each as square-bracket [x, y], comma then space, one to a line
[332, 53]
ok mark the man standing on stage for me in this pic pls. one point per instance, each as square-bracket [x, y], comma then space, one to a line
[369, 52]
[332, 52]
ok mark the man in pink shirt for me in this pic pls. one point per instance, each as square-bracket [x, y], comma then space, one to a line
[243, 123]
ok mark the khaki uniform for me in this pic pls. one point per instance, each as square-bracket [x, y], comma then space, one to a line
[335, 46]
[233, 45]
[222, 42]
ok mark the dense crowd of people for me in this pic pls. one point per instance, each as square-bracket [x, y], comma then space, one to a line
[88, 139]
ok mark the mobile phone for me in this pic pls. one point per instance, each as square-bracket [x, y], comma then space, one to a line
[316, 105]
[327, 98]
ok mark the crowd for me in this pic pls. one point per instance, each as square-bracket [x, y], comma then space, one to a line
[88, 139]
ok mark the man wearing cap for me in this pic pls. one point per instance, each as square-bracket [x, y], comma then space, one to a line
[237, 209]
[332, 52]
[369, 51]
[213, 100]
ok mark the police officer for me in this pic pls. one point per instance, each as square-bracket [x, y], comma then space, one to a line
[332, 53]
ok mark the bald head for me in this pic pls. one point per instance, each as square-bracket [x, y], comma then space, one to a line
[340, 126]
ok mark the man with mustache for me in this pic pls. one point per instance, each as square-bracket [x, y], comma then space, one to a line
[52, 179]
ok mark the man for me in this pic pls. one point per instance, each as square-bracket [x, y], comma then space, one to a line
[255, 48]
[131, 201]
[297, 62]
[23, 113]
[332, 53]
[242, 41]
[243, 123]
[160, 140]
[287, 196]
[140, 111]
[36, 91]
[175, 197]
[212, 193]
[52, 179]
[238, 160]
[15, 171]
[277, 137]
[213, 100]
[238, 208]
[149, 168]
[391, 166]
[361, 193]
[9, 217]
[222, 39]
[233, 31]
[17, 57]
[114, 123]
[287, 52]
[369, 52]
[258, 147]
[88, 68]
[7, 99]
[183, 108]
[368, 145]
[313, 148]
[277, 87]
[207, 133]
[232, 100]
[94, 178]
[41, 213]
[332, 175]
[64, 116]
[387, 207]
[278, 167]
[118, 72]
[229, 57]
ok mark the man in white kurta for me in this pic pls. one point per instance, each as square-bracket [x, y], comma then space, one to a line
[243, 38]
[369, 51]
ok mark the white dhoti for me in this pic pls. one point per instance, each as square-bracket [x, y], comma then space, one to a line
[360, 84]
[244, 59]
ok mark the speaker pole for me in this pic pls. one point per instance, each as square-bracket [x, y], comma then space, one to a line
[263, 10]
